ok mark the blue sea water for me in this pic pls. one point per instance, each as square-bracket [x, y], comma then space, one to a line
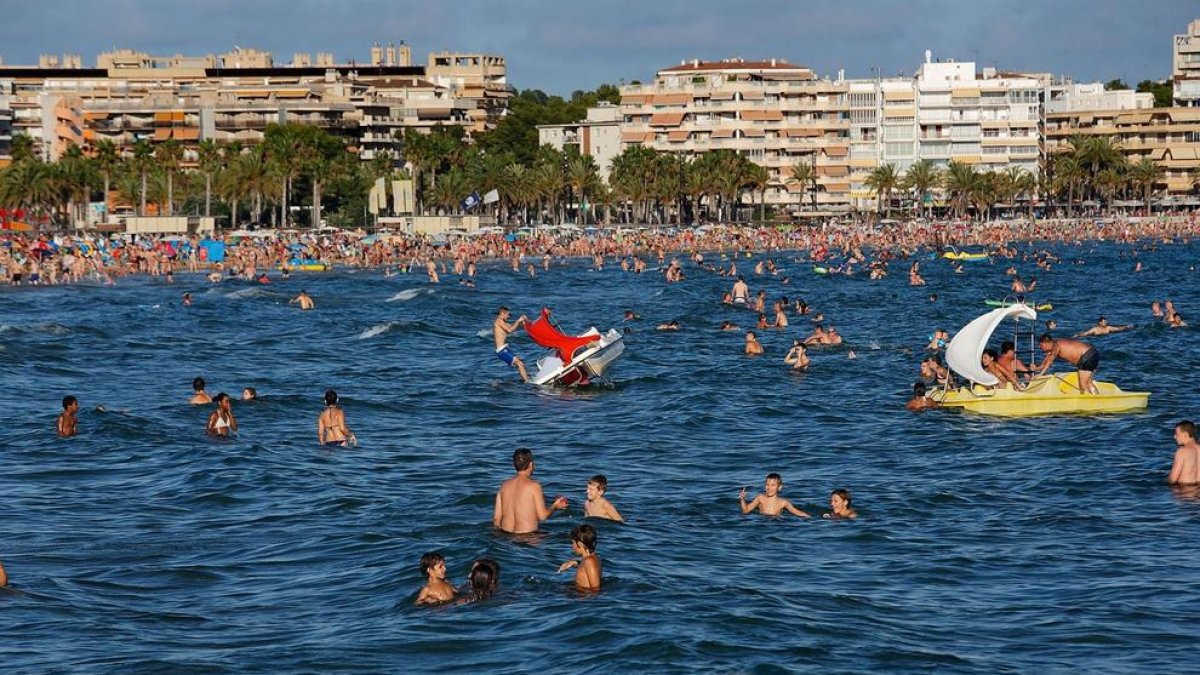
[984, 545]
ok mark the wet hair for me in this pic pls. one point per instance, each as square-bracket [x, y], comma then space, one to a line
[992, 353]
[1188, 427]
[1007, 346]
[331, 397]
[1045, 337]
[502, 309]
[586, 536]
[775, 476]
[429, 561]
[750, 334]
[919, 390]
[69, 401]
[522, 458]
[600, 481]
[843, 493]
[484, 577]
[219, 398]
[198, 384]
[253, 393]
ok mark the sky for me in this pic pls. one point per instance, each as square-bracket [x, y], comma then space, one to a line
[563, 45]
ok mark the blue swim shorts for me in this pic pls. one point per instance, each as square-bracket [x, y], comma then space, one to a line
[505, 354]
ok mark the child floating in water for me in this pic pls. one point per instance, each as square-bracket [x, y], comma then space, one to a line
[769, 503]
[839, 501]
[583, 544]
[436, 590]
[482, 581]
[597, 505]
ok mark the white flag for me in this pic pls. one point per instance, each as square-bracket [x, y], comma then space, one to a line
[491, 197]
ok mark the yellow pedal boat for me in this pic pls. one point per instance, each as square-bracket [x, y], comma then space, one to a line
[962, 255]
[1044, 395]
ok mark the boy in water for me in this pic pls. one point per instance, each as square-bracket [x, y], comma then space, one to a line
[597, 505]
[839, 501]
[753, 346]
[583, 544]
[768, 502]
[1185, 470]
[919, 400]
[436, 590]
[69, 417]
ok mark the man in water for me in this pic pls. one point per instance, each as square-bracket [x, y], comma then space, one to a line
[1083, 356]
[1102, 327]
[304, 300]
[520, 504]
[1185, 470]
[331, 424]
[920, 401]
[741, 292]
[500, 331]
[68, 419]
[199, 396]
[753, 346]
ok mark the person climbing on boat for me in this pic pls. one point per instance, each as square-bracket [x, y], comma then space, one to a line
[1080, 354]
[1010, 363]
[500, 330]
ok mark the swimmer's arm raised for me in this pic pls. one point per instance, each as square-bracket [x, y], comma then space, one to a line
[747, 508]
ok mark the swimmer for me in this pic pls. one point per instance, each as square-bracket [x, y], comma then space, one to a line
[221, 422]
[199, 396]
[818, 337]
[500, 331]
[753, 346]
[768, 502]
[187, 299]
[938, 340]
[1102, 327]
[69, 417]
[331, 424]
[797, 357]
[249, 394]
[630, 316]
[920, 401]
[670, 325]
[3, 576]
[839, 502]
[740, 292]
[728, 325]
[1185, 469]
[482, 580]
[263, 279]
[304, 300]
[520, 505]
[597, 505]
[583, 544]
[436, 589]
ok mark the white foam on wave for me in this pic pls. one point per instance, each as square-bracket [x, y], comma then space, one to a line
[378, 329]
[408, 294]
[484, 332]
[248, 293]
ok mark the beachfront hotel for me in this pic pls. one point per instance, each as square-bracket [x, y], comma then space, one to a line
[132, 96]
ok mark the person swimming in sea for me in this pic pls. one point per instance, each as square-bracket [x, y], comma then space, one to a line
[222, 423]
[331, 424]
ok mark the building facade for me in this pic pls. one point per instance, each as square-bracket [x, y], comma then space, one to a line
[1185, 67]
[599, 136]
[777, 114]
[131, 96]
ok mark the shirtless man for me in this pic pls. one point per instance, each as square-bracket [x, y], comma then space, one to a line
[796, 357]
[920, 401]
[331, 424]
[1185, 470]
[199, 396]
[1009, 362]
[68, 419]
[304, 300]
[520, 505]
[818, 337]
[1102, 327]
[741, 292]
[500, 330]
[1079, 354]
[753, 346]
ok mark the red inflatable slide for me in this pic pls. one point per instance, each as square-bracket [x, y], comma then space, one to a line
[545, 334]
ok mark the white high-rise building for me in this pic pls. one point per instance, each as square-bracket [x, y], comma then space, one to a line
[1185, 67]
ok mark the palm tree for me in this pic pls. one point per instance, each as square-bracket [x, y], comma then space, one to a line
[21, 149]
[758, 179]
[143, 162]
[1145, 174]
[168, 154]
[28, 184]
[921, 177]
[286, 147]
[257, 174]
[516, 189]
[76, 175]
[451, 189]
[959, 181]
[582, 176]
[882, 181]
[209, 163]
[1068, 176]
[805, 174]
[108, 161]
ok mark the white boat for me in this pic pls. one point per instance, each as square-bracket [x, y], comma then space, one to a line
[1043, 395]
[574, 360]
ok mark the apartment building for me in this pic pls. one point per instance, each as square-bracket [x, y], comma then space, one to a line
[5, 127]
[1185, 67]
[599, 136]
[132, 96]
[775, 113]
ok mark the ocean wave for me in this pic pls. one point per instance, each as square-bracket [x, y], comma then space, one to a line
[408, 294]
[377, 329]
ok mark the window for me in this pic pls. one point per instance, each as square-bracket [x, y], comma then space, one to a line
[898, 149]
[898, 133]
